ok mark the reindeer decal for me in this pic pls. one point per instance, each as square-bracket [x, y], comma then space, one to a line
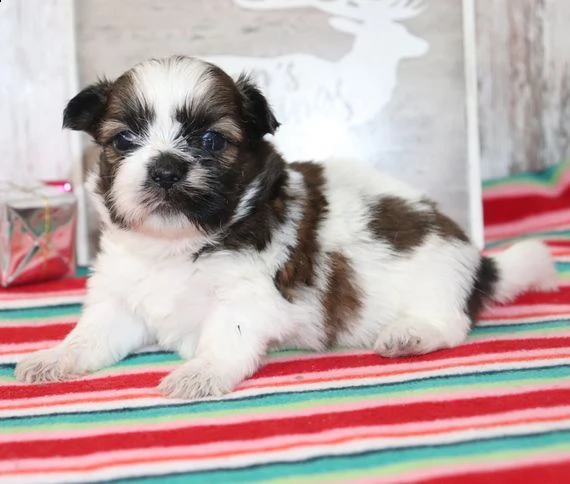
[322, 104]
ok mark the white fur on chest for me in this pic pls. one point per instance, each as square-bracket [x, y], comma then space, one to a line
[169, 292]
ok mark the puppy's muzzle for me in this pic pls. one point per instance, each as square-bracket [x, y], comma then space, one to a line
[167, 171]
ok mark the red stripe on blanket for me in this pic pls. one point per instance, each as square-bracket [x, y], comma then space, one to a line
[484, 347]
[150, 379]
[30, 334]
[202, 434]
[553, 472]
[503, 210]
[562, 296]
[51, 287]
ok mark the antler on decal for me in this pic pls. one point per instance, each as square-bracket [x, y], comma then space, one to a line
[353, 9]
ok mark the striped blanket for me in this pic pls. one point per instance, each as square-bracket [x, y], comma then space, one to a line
[495, 410]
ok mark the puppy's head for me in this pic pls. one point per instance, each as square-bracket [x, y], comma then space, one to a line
[181, 141]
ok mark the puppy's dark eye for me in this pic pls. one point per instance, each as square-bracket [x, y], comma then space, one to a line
[213, 141]
[125, 141]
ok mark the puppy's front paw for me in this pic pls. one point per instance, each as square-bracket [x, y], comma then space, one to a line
[50, 365]
[194, 380]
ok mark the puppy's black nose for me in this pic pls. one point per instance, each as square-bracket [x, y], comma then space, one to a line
[168, 170]
[165, 177]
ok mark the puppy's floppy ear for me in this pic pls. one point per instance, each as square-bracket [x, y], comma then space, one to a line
[259, 117]
[84, 111]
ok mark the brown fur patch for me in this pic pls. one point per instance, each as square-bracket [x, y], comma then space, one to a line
[447, 228]
[396, 221]
[124, 111]
[267, 209]
[405, 227]
[108, 165]
[342, 298]
[219, 110]
[299, 268]
[125, 107]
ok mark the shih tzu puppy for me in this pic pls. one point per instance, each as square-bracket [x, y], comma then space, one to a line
[214, 247]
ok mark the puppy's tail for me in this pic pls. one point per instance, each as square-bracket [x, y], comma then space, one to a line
[525, 266]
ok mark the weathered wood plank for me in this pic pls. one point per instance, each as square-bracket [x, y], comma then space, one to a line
[38, 71]
[524, 84]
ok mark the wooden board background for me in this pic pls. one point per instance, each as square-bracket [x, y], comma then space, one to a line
[524, 84]
[38, 74]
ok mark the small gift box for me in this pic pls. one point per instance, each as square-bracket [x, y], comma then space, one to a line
[37, 233]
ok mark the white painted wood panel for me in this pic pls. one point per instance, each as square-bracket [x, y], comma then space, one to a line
[37, 68]
[38, 75]
[524, 84]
